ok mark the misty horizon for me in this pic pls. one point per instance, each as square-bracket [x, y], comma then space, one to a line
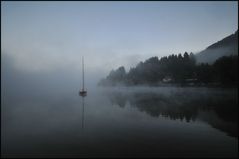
[107, 37]
[145, 94]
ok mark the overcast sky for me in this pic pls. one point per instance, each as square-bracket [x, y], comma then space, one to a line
[47, 36]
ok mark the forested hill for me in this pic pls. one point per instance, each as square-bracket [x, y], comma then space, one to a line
[217, 64]
[225, 47]
[176, 69]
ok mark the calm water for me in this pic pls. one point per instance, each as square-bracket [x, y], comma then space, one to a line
[125, 122]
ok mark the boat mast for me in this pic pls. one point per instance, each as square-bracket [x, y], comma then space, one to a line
[83, 72]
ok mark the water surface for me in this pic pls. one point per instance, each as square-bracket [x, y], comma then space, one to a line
[124, 122]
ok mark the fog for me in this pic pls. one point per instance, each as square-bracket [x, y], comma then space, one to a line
[211, 55]
[42, 114]
[50, 36]
[17, 81]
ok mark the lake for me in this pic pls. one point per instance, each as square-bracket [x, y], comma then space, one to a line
[121, 122]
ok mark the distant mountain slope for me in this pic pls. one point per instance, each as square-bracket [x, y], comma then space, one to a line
[225, 47]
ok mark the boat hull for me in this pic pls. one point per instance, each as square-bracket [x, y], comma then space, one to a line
[83, 93]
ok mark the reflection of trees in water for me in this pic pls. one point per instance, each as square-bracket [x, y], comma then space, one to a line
[118, 99]
[156, 105]
[173, 106]
[226, 119]
[184, 106]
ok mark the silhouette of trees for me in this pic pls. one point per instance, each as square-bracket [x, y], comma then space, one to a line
[115, 77]
[118, 75]
[178, 69]
[226, 69]
[204, 73]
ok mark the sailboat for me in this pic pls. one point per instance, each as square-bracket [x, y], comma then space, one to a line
[83, 92]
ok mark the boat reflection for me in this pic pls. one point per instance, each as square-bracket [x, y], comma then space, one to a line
[83, 111]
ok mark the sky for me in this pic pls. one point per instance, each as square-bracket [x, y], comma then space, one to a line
[53, 36]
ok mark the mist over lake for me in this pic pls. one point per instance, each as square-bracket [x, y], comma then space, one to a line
[126, 123]
[50, 120]
[158, 79]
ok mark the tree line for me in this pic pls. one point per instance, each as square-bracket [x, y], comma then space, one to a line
[176, 69]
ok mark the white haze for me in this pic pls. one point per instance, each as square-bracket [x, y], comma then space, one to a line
[43, 42]
[211, 55]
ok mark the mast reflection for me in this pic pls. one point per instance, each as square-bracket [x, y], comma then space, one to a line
[83, 111]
